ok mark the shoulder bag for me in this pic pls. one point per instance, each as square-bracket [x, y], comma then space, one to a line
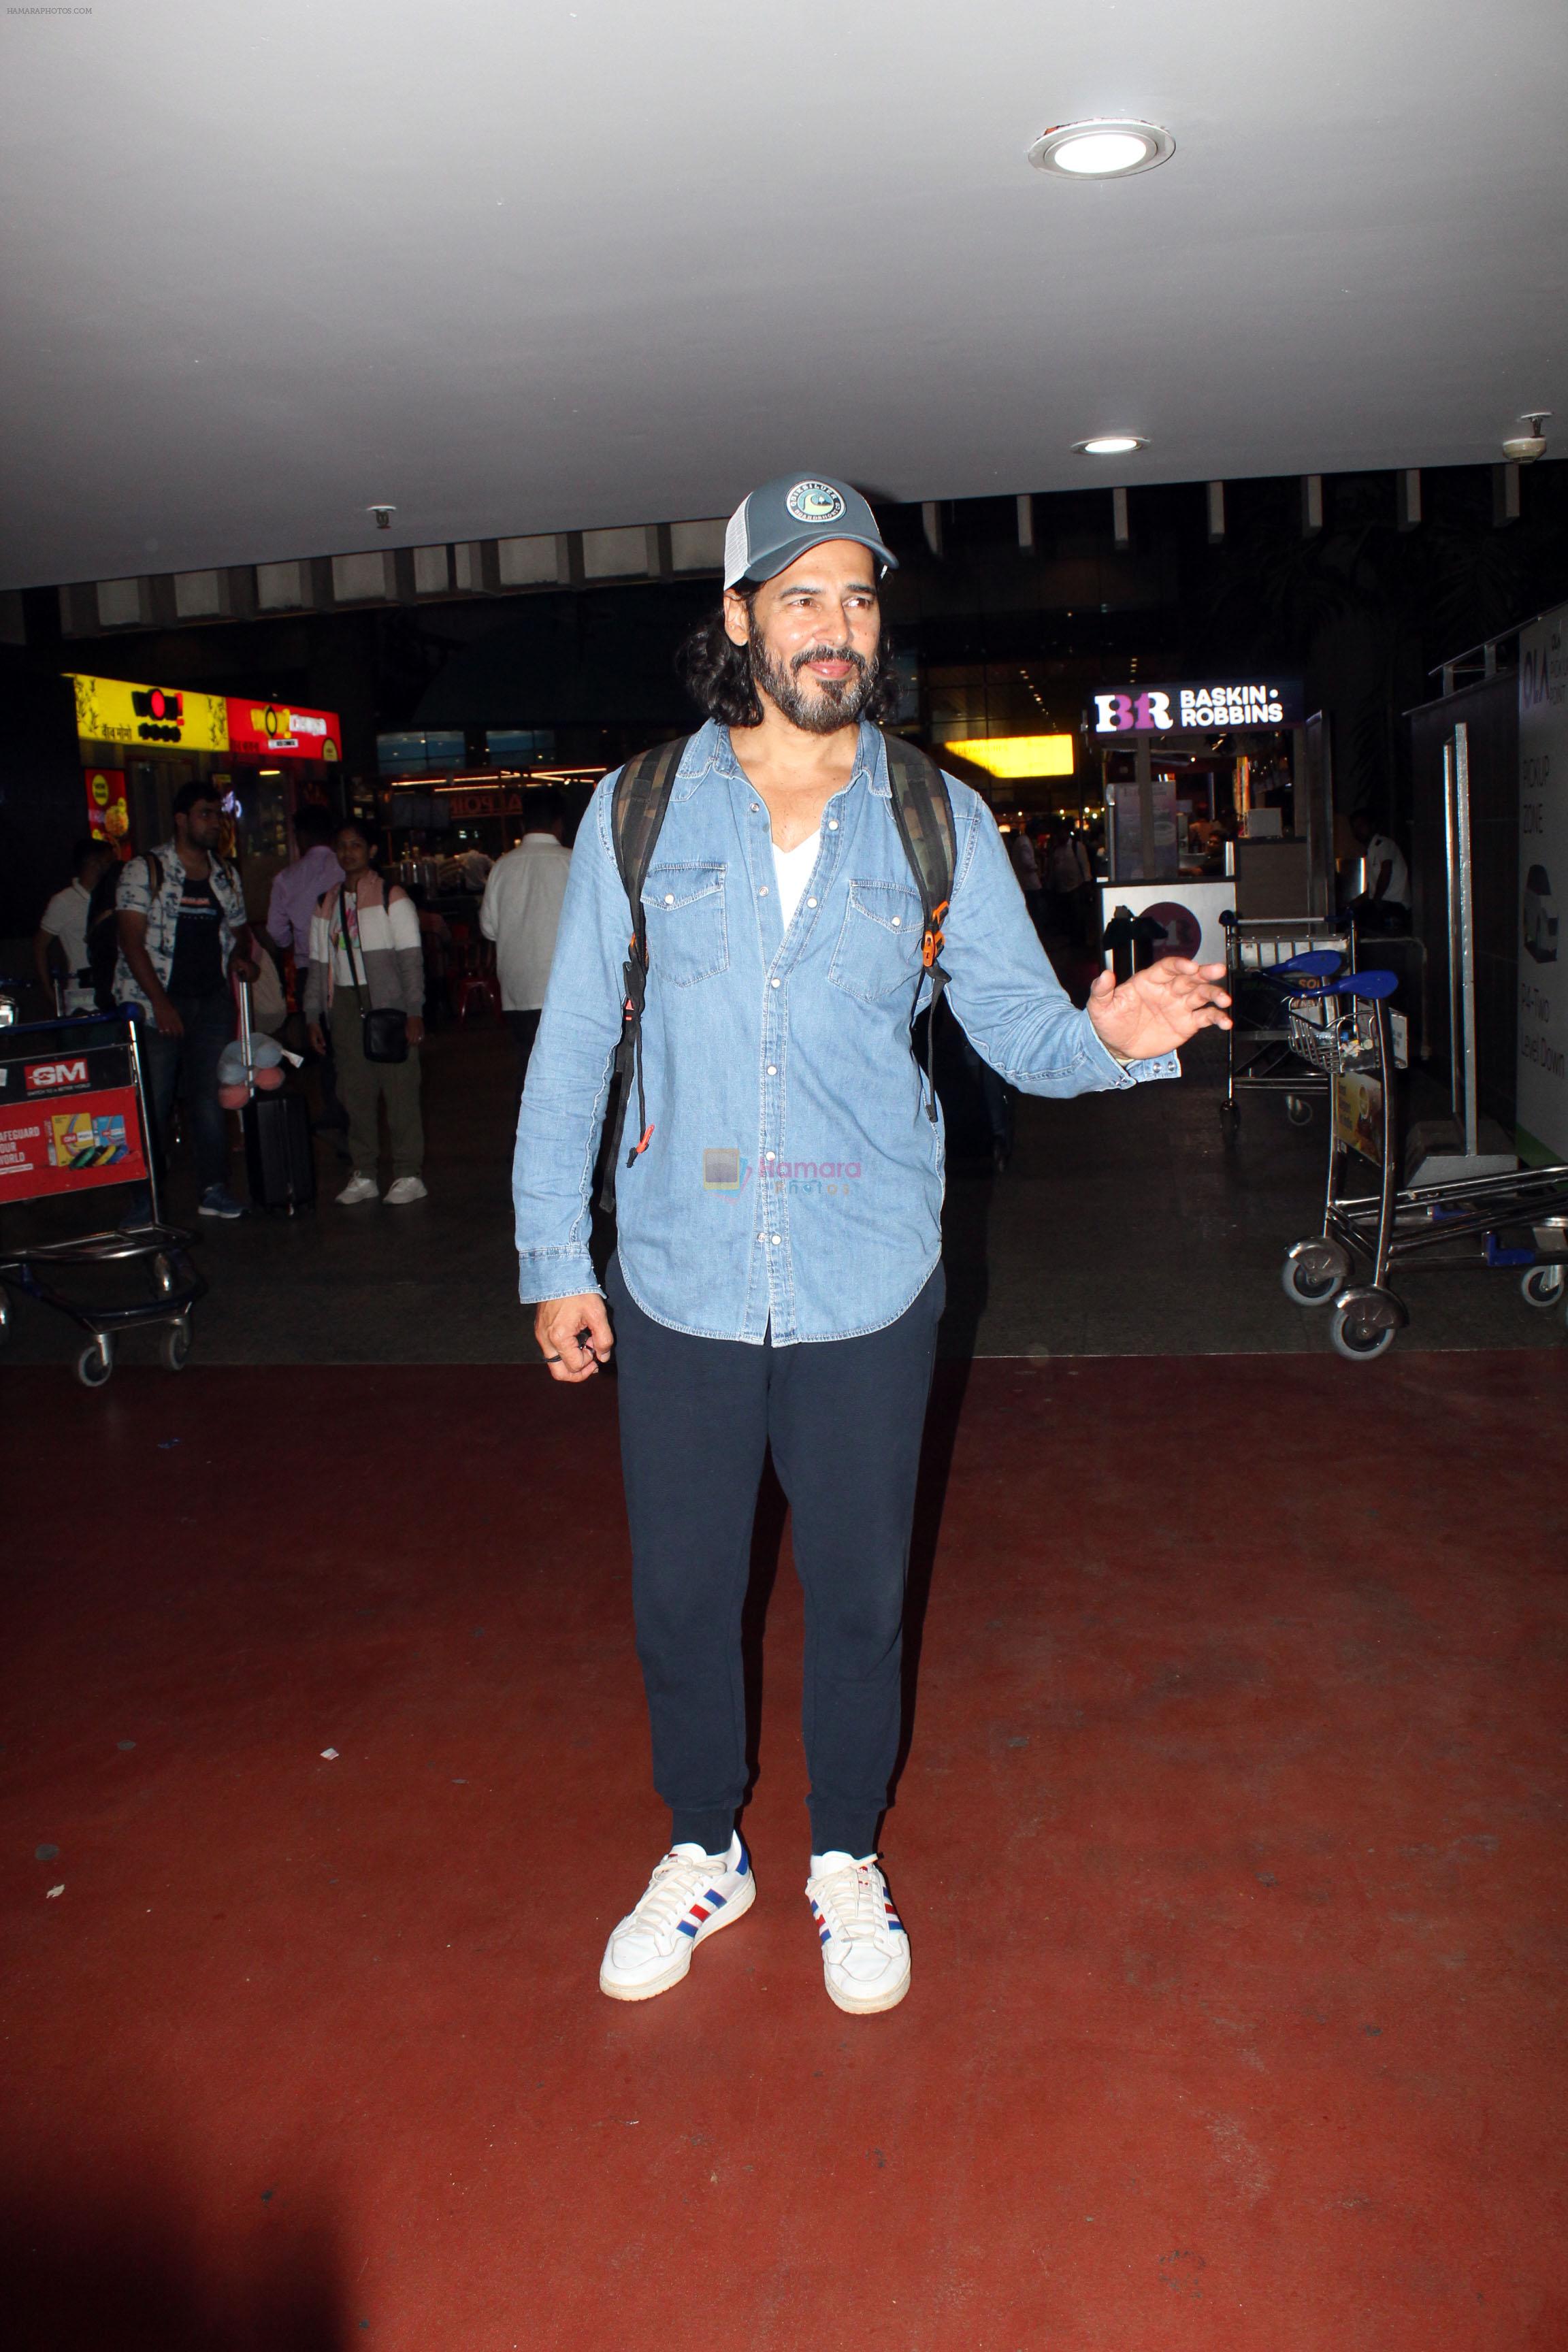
[383, 1028]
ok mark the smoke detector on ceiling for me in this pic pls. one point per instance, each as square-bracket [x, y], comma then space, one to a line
[1524, 448]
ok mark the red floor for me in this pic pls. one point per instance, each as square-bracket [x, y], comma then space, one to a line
[1231, 1842]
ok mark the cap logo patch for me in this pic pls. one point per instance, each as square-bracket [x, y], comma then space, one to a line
[814, 502]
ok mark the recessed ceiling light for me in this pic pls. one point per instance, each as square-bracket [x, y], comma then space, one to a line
[1110, 444]
[1101, 149]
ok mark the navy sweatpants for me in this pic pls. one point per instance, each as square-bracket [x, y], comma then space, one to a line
[842, 1418]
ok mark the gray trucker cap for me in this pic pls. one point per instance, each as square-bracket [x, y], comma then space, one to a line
[774, 525]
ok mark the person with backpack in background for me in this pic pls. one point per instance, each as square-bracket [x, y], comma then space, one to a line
[59, 944]
[182, 940]
[797, 886]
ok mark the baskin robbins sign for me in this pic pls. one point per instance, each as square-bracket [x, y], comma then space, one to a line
[1198, 709]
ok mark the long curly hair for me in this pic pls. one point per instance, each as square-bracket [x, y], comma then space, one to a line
[717, 673]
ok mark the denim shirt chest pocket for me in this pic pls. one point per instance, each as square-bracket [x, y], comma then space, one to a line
[879, 950]
[683, 907]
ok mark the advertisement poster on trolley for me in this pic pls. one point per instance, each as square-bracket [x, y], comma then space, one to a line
[1543, 1091]
[91, 1138]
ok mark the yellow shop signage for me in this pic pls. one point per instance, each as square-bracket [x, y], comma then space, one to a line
[113, 711]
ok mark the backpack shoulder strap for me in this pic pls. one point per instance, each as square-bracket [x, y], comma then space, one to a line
[637, 818]
[637, 809]
[922, 811]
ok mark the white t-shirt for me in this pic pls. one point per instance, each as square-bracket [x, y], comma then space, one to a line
[792, 869]
[1381, 851]
[65, 919]
[520, 911]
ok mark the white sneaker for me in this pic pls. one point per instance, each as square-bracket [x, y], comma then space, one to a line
[865, 1951]
[406, 1189]
[358, 1188]
[689, 1896]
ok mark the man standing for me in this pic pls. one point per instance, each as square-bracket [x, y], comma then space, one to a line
[293, 900]
[777, 1281]
[1068, 878]
[1026, 866]
[1384, 901]
[183, 934]
[59, 944]
[295, 891]
[520, 911]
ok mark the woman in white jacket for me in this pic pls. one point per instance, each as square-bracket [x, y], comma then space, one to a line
[366, 956]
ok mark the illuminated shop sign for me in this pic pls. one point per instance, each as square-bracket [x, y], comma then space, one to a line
[108, 811]
[281, 731]
[1171, 709]
[1023, 757]
[149, 717]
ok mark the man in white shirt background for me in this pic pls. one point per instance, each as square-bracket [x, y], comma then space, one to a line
[520, 911]
[59, 944]
[1384, 902]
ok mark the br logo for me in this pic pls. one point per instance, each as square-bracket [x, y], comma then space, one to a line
[1127, 714]
[814, 502]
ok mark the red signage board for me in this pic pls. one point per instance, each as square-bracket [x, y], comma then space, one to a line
[63, 1147]
[108, 810]
[281, 731]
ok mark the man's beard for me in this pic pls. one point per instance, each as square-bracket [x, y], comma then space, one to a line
[828, 703]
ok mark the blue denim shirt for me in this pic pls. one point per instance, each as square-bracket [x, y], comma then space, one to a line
[793, 1179]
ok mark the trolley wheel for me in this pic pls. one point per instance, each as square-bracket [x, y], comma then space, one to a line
[1313, 1272]
[1542, 1286]
[1359, 1333]
[1298, 1110]
[174, 1347]
[96, 1361]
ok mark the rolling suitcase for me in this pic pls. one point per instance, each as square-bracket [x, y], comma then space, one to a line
[279, 1163]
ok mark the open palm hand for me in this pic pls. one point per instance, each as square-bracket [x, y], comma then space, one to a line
[1159, 1008]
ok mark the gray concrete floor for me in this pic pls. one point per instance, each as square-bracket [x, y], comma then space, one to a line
[1125, 1225]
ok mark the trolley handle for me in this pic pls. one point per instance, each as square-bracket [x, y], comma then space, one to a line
[1313, 963]
[1367, 985]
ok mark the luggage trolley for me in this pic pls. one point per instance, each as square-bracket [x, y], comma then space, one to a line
[1260, 1055]
[73, 1118]
[1340, 1026]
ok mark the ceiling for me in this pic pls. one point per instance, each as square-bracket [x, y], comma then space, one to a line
[522, 265]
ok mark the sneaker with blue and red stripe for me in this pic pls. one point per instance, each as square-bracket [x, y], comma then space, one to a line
[865, 1951]
[690, 1897]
